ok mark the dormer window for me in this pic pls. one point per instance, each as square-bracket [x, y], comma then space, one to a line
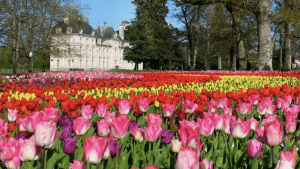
[80, 31]
[93, 33]
[69, 30]
[58, 30]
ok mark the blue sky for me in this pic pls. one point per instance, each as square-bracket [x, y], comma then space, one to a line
[111, 11]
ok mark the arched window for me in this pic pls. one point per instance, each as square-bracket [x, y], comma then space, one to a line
[57, 63]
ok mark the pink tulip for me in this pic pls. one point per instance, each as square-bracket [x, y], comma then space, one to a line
[206, 164]
[109, 116]
[298, 100]
[3, 129]
[51, 114]
[254, 99]
[102, 128]
[86, 111]
[227, 110]
[168, 109]
[244, 108]
[45, 134]
[124, 106]
[194, 125]
[12, 115]
[187, 159]
[138, 133]
[77, 165]
[94, 148]
[253, 123]
[143, 104]
[293, 110]
[287, 160]
[218, 120]
[269, 119]
[206, 126]
[81, 125]
[254, 147]
[106, 153]
[153, 130]
[22, 123]
[266, 106]
[119, 126]
[30, 151]
[10, 153]
[227, 120]
[239, 128]
[273, 133]
[189, 106]
[260, 134]
[290, 124]
[101, 110]
[33, 120]
[151, 167]
[223, 102]
[176, 145]
[212, 106]
[189, 136]
[282, 103]
[208, 115]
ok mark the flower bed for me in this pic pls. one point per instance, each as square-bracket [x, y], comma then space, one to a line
[150, 120]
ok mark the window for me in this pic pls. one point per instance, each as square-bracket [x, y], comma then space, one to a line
[69, 61]
[86, 62]
[69, 30]
[57, 63]
[99, 63]
[92, 63]
[80, 62]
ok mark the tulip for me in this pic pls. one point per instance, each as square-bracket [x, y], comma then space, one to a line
[20, 136]
[3, 129]
[227, 120]
[151, 167]
[30, 151]
[188, 136]
[282, 103]
[133, 125]
[239, 128]
[218, 121]
[65, 120]
[124, 106]
[227, 111]
[33, 120]
[153, 130]
[287, 160]
[143, 104]
[189, 106]
[293, 111]
[223, 102]
[212, 106]
[119, 126]
[298, 100]
[102, 128]
[187, 159]
[290, 124]
[137, 133]
[51, 114]
[113, 144]
[94, 148]
[77, 165]
[244, 108]
[176, 145]
[254, 147]
[269, 119]
[106, 153]
[45, 134]
[259, 133]
[12, 115]
[166, 136]
[109, 116]
[168, 109]
[22, 124]
[253, 123]
[273, 133]
[69, 145]
[81, 126]
[254, 99]
[266, 106]
[206, 126]
[206, 164]
[101, 110]
[86, 111]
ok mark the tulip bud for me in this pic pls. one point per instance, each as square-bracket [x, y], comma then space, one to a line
[176, 145]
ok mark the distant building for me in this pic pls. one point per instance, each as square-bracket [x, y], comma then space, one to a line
[78, 46]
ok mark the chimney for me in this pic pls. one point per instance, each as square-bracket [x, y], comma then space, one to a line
[86, 20]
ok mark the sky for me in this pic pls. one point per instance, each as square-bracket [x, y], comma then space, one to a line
[111, 11]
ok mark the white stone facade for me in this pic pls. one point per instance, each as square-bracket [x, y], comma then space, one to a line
[88, 52]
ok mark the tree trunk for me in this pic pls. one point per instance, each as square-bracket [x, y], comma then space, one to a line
[280, 55]
[232, 65]
[287, 47]
[241, 56]
[219, 62]
[264, 59]
[207, 58]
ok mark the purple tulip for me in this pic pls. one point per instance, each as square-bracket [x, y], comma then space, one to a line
[66, 133]
[69, 145]
[20, 136]
[113, 147]
[133, 125]
[65, 120]
[166, 136]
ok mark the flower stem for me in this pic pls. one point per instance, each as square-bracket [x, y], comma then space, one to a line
[45, 158]
[117, 155]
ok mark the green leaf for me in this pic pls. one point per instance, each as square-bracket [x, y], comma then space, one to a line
[64, 163]
[110, 163]
[123, 160]
[51, 162]
[254, 163]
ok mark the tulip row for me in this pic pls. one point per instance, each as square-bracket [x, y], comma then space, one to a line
[161, 129]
